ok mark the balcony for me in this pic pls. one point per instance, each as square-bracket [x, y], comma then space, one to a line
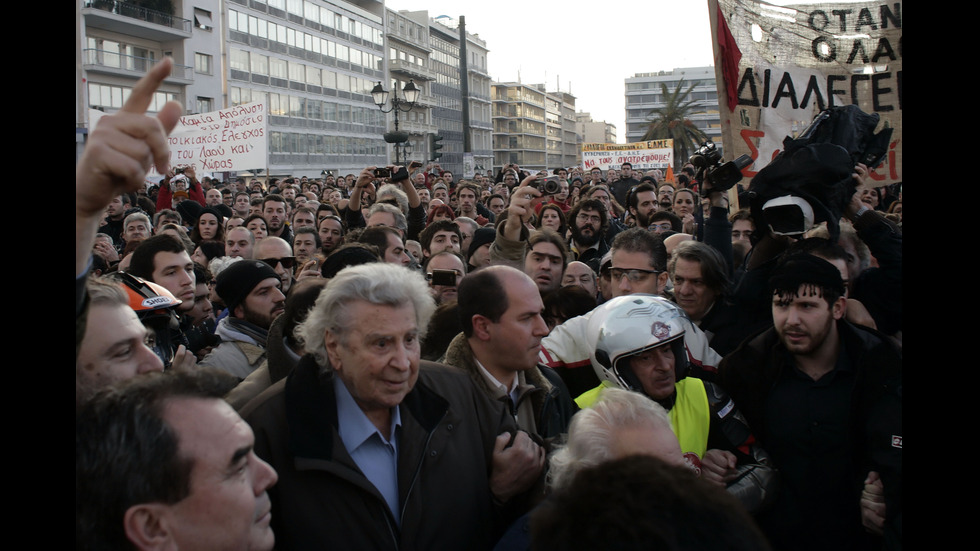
[411, 69]
[417, 128]
[482, 71]
[112, 63]
[427, 100]
[127, 18]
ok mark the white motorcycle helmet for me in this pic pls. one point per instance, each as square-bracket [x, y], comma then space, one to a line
[631, 324]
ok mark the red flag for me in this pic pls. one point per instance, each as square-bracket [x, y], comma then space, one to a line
[730, 56]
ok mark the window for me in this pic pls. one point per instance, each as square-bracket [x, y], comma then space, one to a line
[202, 19]
[313, 75]
[260, 64]
[205, 105]
[278, 69]
[203, 63]
[297, 72]
[239, 60]
[102, 95]
[311, 11]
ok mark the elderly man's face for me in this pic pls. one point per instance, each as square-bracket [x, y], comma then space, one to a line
[377, 356]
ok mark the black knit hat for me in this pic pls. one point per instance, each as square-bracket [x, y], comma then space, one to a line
[481, 237]
[189, 210]
[235, 282]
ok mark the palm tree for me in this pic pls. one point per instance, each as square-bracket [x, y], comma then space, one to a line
[671, 122]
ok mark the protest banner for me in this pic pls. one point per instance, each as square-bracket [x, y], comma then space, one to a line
[642, 155]
[778, 66]
[233, 139]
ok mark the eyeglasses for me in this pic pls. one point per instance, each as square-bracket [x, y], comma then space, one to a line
[286, 261]
[586, 218]
[635, 275]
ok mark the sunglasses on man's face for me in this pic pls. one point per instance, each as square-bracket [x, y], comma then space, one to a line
[286, 261]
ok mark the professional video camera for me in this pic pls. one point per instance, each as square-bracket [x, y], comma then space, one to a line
[707, 161]
[810, 181]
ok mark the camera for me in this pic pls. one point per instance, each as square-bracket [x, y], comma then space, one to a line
[788, 215]
[707, 161]
[548, 186]
[382, 173]
[445, 278]
[179, 170]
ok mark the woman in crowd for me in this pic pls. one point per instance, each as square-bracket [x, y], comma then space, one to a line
[550, 216]
[209, 226]
[440, 212]
[206, 250]
[256, 224]
[685, 201]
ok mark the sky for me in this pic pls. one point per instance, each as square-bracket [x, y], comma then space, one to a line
[586, 48]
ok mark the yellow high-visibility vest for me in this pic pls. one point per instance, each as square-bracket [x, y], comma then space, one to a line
[690, 417]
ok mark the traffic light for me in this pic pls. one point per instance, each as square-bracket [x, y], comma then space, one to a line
[434, 147]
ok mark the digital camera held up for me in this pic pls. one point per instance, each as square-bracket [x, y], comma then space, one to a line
[547, 186]
[721, 176]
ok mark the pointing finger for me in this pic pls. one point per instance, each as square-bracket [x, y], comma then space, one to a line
[142, 94]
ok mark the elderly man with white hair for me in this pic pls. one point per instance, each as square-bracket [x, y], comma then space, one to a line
[376, 449]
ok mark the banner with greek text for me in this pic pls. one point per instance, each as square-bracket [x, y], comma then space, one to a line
[233, 139]
[778, 66]
[642, 155]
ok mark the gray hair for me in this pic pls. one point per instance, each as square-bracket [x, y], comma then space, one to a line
[592, 431]
[378, 283]
[392, 190]
[401, 223]
[139, 216]
[467, 220]
[219, 263]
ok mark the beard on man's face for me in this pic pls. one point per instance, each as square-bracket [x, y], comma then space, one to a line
[586, 234]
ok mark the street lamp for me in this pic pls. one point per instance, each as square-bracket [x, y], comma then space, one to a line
[411, 97]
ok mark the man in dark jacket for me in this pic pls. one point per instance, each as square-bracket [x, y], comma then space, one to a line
[500, 310]
[824, 398]
[374, 452]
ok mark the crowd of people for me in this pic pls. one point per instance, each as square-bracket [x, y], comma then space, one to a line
[404, 358]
